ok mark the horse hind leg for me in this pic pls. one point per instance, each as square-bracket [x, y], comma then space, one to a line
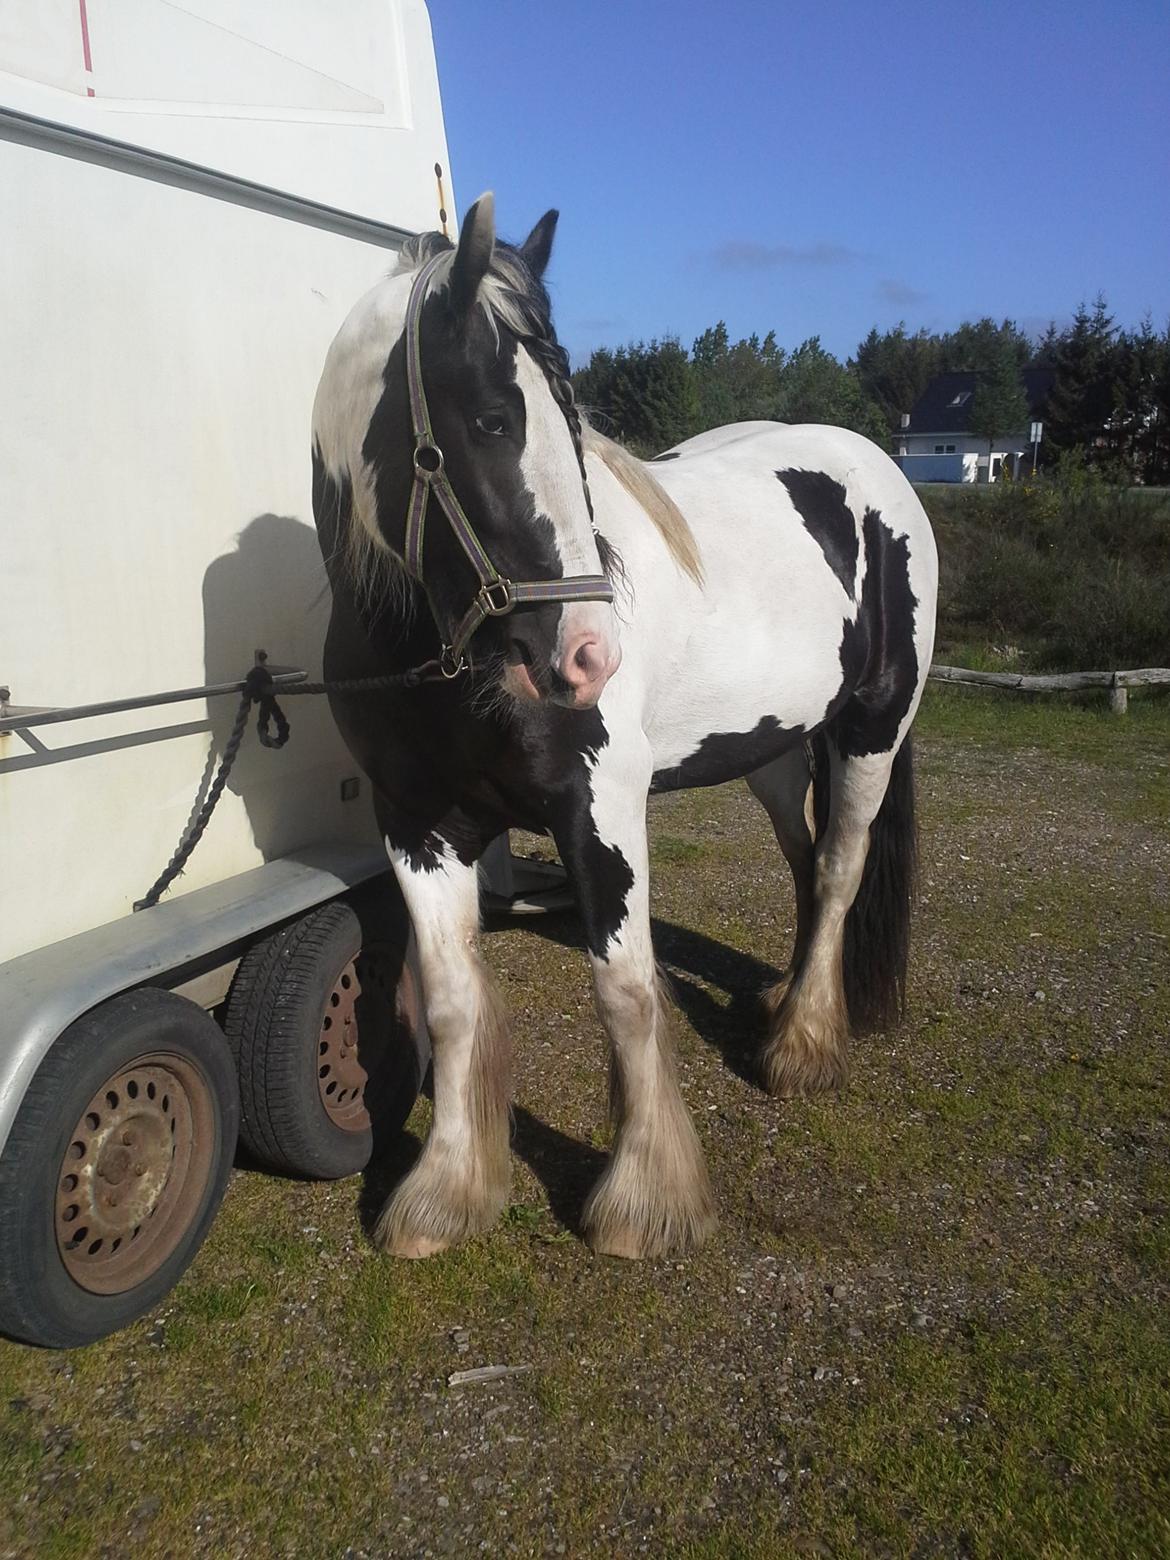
[460, 1183]
[853, 965]
[783, 788]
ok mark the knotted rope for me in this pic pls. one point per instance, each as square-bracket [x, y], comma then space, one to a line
[273, 729]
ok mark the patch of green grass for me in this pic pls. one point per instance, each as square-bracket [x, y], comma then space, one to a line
[1036, 1433]
[533, 1219]
[394, 1310]
[669, 849]
[220, 1302]
[1078, 726]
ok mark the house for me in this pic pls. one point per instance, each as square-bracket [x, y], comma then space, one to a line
[935, 442]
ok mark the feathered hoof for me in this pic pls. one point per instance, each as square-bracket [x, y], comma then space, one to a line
[427, 1214]
[806, 1050]
[803, 1059]
[797, 1076]
[638, 1211]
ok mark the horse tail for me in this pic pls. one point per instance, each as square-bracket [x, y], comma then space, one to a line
[877, 927]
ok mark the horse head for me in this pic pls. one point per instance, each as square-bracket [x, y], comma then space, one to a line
[447, 404]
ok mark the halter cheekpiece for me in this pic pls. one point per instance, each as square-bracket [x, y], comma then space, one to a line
[496, 596]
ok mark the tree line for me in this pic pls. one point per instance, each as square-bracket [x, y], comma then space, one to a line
[1110, 395]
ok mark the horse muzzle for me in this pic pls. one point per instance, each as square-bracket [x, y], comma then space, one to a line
[584, 666]
[585, 656]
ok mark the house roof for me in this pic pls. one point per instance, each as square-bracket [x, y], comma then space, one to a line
[946, 405]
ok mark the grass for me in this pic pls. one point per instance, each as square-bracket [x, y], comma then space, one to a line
[932, 1320]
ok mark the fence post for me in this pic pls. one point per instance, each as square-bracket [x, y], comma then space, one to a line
[1118, 697]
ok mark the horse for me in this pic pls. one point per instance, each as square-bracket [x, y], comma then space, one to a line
[565, 630]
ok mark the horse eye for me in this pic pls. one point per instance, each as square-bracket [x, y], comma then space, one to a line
[491, 422]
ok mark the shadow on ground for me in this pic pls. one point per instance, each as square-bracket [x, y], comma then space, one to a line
[692, 963]
[566, 1167]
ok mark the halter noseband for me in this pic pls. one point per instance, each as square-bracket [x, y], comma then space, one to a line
[496, 596]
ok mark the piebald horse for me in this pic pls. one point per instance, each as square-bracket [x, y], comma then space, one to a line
[758, 601]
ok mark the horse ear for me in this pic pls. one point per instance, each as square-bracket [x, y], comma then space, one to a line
[537, 247]
[477, 238]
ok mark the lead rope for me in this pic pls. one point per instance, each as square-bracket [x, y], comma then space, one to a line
[273, 729]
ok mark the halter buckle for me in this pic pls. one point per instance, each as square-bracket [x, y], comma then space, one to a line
[428, 460]
[451, 664]
[496, 598]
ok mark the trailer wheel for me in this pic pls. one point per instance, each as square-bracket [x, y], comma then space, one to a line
[329, 1043]
[114, 1167]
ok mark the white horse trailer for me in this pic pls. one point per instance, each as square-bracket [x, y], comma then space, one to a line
[192, 199]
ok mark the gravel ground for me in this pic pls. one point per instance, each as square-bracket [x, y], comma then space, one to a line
[930, 1322]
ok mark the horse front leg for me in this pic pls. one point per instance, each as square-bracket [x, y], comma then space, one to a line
[654, 1198]
[460, 1184]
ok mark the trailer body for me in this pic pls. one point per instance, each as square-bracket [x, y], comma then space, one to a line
[192, 199]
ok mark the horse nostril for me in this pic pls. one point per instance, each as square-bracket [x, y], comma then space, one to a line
[523, 651]
[582, 657]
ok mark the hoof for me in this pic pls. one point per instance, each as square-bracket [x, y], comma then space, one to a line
[807, 1048]
[797, 1072]
[630, 1245]
[433, 1208]
[616, 1245]
[414, 1248]
[645, 1207]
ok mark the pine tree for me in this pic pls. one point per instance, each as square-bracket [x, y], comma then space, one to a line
[1000, 407]
[894, 368]
[1081, 401]
[644, 394]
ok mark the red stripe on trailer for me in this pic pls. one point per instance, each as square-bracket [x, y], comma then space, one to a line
[85, 43]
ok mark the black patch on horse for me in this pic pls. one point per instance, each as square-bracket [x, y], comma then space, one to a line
[878, 659]
[600, 873]
[828, 519]
[666, 455]
[727, 755]
[332, 507]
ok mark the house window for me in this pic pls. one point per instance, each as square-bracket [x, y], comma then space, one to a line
[938, 449]
[950, 449]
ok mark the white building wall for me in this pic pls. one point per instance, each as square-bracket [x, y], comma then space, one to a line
[961, 456]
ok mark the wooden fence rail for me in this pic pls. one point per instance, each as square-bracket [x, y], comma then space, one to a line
[1061, 682]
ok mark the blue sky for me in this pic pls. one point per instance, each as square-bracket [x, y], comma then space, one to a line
[819, 168]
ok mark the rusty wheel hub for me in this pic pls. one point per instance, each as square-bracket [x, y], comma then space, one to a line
[341, 1075]
[134, 1173]
[358, 1029]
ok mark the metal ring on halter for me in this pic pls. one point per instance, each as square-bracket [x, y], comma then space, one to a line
[449, 670]
[496, 597]
[425, 472]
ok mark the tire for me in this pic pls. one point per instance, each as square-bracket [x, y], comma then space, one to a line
[114, 1168]
[324, 1021]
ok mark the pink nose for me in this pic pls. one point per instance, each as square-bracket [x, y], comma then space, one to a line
[586, 665]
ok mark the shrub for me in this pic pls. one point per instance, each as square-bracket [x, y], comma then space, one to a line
[1071, 565]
